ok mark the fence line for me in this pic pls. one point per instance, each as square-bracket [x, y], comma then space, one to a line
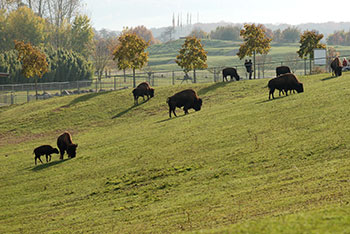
[20, 93]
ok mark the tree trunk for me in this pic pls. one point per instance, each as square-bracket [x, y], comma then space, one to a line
[194, 76]
[124, 76]
[133, 78]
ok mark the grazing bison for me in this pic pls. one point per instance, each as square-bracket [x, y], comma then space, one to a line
[282, 70]
[142, 90]
[44, 150]
[64, 143]
[187, 98]
[285, 82]
[229, 71]
[336, 67]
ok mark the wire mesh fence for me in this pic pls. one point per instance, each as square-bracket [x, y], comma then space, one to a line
[21, 93]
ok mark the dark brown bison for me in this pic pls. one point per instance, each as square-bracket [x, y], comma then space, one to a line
[142, 90]
[282, 70]
[229, 71]
[44, 150]
[64, 143]
[336, 67]
[187, 98]
[285, 82]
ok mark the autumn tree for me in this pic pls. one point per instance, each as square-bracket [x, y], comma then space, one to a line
[24, 25]
[198, 33]
[255, 42]
[290, 34]
[192, 56]
[309, 41]
[144, 33]
[130, 53]
[33, 62]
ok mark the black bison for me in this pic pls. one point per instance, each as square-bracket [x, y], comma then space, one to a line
[336, 67]
[229, 71]
[64, 143]
[282, 70]
[187, 98]
[142, 90]
[285, 82]
[44, 150]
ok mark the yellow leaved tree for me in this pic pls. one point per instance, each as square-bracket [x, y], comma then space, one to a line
[34, 64]
[192, 56]
[130, 53]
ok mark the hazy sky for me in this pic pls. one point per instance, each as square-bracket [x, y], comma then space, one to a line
[115, 14]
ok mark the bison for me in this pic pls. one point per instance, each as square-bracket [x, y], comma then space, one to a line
[285, 82]
[44, 150]
[336, 67]
[142, 90]
[64, 143]
[187, 98]
[282, 70]
[230, 71]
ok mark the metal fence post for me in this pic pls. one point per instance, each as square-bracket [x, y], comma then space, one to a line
[115, 83]
[12, 98]
[214, 75]
[173, 78]
[28, 99]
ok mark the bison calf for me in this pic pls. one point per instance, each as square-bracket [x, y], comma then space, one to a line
[64, 143]
[187, 98]
[282, 70]
[143, 89]
[44, 150]
[230, 71]
[284, 83]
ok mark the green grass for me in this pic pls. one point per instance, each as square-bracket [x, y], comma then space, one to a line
[241, 164]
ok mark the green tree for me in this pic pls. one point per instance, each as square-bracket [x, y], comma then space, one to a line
[24, 25]
[192, 56]
[229, 33]
[309, 41]
[291, 34]
[33, 62]
[255, 41]
[198, 33]
[130, 53]
[82, 35]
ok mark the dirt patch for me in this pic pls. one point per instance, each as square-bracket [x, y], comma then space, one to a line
[11, 138]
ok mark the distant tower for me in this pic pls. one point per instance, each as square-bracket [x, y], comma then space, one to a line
[191, 19]
[173, 20]
[178, 19]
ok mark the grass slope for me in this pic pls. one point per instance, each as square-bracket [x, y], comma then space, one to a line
[241, 164]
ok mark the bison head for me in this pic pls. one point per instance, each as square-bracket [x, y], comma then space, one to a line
[55, 151]
[151, 92]
[71, 150]
[197, 104]
[300, 88]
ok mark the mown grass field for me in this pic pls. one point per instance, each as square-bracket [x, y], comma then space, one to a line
[223, 53]
[243, 164]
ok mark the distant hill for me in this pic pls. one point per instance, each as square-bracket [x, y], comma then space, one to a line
[324, 28]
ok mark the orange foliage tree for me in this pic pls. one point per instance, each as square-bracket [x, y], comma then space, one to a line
[34, 63]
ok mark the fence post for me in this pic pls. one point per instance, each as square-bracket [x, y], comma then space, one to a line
[96, 85]
[78, 86]
[115, 83]
[173, 78]
[214, 75]
[12, 98]
[28, 99]
[305, 67]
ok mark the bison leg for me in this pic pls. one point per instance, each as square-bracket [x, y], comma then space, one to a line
[271, 94]
[38, 157]
[61, 154]
[48, 157]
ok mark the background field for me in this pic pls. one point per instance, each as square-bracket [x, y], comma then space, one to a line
[241, 164]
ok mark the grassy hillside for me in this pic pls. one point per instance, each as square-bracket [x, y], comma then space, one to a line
[241, 164]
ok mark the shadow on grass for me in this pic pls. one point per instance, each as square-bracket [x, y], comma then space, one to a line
[270, 100]
[168, 119]
[129, 109]
[329, 78]
[84, 98]
[213, 87]
[49, 164]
